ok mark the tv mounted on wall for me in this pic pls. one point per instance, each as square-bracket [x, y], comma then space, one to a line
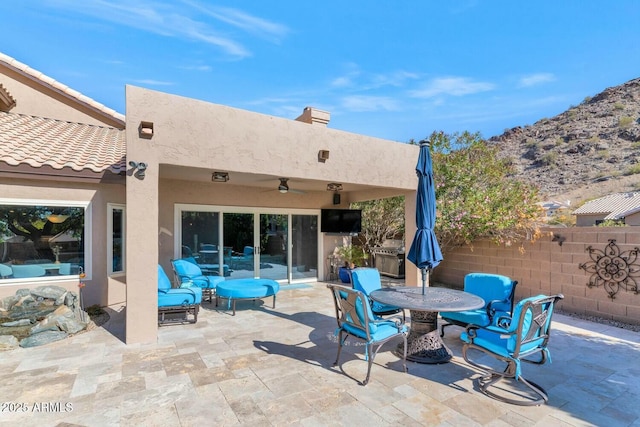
[341, 221]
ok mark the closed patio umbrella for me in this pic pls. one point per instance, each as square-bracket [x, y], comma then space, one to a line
[425, 251]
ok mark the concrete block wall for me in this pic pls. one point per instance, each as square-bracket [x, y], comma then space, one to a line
[548, 267]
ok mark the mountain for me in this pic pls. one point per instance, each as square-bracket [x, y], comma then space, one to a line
[588, 151]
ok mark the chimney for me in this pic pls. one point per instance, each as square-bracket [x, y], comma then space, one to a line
[313, 116]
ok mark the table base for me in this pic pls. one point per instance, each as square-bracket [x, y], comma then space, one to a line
[424, 344]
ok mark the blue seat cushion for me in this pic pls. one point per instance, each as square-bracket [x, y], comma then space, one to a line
[473, 317]
[379, 330]
[247, 288]
[180, 296]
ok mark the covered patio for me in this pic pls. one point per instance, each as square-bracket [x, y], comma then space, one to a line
[274, 367]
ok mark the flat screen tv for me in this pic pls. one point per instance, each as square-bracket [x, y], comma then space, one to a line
[341, 221]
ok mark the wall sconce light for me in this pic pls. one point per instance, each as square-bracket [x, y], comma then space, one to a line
[220, 177]
[323, 155]
[139, 167]
[145, 130]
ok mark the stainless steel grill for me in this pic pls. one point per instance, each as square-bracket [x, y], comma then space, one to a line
[389, 258]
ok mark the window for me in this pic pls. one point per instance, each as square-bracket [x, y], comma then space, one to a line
[115, 238]
[41, 239]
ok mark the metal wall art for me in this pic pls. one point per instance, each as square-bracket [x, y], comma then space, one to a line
[613, 269]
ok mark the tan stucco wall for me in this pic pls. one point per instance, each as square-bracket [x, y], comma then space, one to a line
[100, 289]
[30, 100]
[588, 220]
[547, 267]
[633, 219]
[193, 133]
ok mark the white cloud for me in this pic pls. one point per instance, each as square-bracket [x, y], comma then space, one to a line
[536, 79]
[169, 20]
[244, 21]
[455, 86]
[362, 103]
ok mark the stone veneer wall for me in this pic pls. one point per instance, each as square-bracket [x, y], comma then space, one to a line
[548, 267]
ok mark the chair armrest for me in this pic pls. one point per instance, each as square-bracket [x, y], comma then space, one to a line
[490, 310]
[397, 321]
[186, 284]
[472, 330]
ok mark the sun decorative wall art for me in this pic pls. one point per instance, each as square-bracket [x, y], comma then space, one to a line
[613, 269]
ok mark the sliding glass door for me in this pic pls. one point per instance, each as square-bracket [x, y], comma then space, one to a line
[239, 244]
[274, 249]
[249, 242]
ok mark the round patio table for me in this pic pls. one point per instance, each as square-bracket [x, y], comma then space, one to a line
[424, 344]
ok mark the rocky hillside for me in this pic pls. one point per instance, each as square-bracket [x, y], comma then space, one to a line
[590, 150]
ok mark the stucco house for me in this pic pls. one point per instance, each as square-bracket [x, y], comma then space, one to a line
[114, 196]
[623, 207]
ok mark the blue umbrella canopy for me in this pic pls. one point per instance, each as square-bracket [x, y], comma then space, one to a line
[425, 251]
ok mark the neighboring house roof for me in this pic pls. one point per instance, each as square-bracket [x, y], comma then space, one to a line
[38, 141]
[60, 88]
[614, 206]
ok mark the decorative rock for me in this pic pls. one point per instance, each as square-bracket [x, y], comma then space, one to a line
[42, 338]
[21, 322]
[8, 342]
[71, 300]
[8, 302]
[50, 292]
[62, 319]
[61, 299]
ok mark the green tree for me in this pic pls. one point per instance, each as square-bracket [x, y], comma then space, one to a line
[477, 198]
[381, 219]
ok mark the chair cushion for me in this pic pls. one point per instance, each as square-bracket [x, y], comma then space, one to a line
[366, 280]
[181, 296]
[378, 330]
[473, 317]
[489, 287]
[247, 288]
[163, 280]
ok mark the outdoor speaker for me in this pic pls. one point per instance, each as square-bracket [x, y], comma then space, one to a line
[336, 199]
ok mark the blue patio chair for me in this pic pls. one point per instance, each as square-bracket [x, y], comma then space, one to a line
[187, 271]
[28, 270]
[209, 269]
[367, 280]
[5, 271]
[172, 302]
[356, 319]
[521, 336]
[496, 290]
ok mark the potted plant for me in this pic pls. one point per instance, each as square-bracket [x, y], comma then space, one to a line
[351, 256]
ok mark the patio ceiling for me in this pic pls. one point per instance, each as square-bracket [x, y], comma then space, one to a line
[254, 180]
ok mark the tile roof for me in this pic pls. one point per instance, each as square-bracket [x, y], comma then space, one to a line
[61, 88]
[39, 141]
[616, 206]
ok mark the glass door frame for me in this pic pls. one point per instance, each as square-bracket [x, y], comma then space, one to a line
[256, 211]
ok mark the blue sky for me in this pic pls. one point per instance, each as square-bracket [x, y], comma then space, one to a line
[390, 69]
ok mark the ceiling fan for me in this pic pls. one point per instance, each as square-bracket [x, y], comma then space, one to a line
[283, 187]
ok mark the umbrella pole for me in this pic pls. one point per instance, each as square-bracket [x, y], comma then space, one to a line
[424, 280]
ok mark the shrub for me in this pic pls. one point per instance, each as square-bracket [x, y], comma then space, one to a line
[618, 106]
[633, 170]
[625, 122]
[549, 159]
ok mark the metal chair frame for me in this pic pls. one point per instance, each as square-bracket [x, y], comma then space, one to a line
[532, 324]
[354, 312]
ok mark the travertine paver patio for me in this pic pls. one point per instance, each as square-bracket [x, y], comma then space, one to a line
[268, 367]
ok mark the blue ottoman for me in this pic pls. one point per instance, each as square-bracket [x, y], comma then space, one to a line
[253, 289]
